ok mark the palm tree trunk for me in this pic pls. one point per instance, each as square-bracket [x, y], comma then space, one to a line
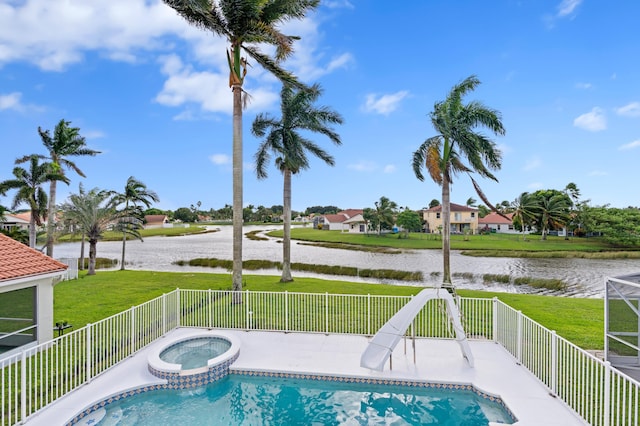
[92, 257]
[124, 238]
[82, 252]
[124, 242]
[237, 190]
[446, 231]
[286, 242]
[50, 217]
[32, 231]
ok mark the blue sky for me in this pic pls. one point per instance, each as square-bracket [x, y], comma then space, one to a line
[151, 93]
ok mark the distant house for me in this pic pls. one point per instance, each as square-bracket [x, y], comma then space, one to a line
[15, 221]
[27, 278]
[463, 219]
[156, 221]
[338, 221]
[493, 222]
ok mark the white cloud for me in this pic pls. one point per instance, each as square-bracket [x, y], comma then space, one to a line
[532, 164]
[220, 159]
[630, 145]
[384, 104]
[11, 101]
[584, 86]
[390, 168]
[207, 89]
[597, 173]
[535, 185]
[567, 7]
[93, 134]
[630, 110]
[592, 121]
[54, 37]
[362, 166]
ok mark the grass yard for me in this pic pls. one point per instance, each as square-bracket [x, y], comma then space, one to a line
[92, 298]
[499, 243]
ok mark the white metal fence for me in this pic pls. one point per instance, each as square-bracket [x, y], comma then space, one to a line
[40, 375]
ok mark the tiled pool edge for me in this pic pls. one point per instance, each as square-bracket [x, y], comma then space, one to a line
[174, 381]
[218, 375]
[377, 381]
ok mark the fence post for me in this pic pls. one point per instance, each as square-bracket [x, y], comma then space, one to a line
[23, 386]
[286, 311]
[494, 331]
[326, 312]
[178, 310]
[554, 362]
[607, 394]
[519, 338]
[132, 349]
[89, 354]
[210, 310]
[164, 314]
[248, 311]
[368, 314]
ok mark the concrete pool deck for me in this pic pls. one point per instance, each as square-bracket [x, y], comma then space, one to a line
[496, 372]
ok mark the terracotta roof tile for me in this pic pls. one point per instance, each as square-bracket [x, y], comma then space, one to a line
[495, 218]
[18, 261]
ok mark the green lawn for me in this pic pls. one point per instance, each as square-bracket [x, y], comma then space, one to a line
[501, 242]
[91, 298]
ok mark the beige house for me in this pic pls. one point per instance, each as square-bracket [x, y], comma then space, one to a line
[463, 219]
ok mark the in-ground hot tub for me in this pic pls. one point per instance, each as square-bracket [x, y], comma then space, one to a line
[195, 360]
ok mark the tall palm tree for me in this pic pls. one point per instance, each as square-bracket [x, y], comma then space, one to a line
[284, 140]
[245, 24]
[29, 190]
[134, 196]
[65, 142]
[385, 213]
[94, 211]
[457, 140]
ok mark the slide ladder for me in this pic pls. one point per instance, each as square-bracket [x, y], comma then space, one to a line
[385, 340]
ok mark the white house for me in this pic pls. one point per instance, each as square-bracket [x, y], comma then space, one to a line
[493, 222]
[27, 278]
[338, 221]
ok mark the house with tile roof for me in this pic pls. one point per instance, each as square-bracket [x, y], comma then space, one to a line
[493, 222]
[156, 221]
[10, 221]
[27, 277]
[463, 219]
[345, 220]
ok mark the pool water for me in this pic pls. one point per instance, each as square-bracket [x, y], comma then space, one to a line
[195, 353]
[247, 400]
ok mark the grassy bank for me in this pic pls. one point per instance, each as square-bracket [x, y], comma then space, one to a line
[490, 245]
[91, 298]
[145, 233]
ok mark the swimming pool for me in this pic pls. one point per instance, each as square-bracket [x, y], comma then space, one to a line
[251, 398]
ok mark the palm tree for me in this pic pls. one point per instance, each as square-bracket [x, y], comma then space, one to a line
[134, 196]
[554, 212]
[245, 24]
[66, 142]
[284, 140]
[94, 211]
[385, 213]
[443, 155]
[524, 208]
[29, 185]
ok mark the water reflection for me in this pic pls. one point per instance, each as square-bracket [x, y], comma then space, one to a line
[585, 277]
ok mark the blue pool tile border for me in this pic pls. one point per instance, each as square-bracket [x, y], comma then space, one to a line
[376, 381]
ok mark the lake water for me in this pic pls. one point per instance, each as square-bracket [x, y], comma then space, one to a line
[585, 277]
